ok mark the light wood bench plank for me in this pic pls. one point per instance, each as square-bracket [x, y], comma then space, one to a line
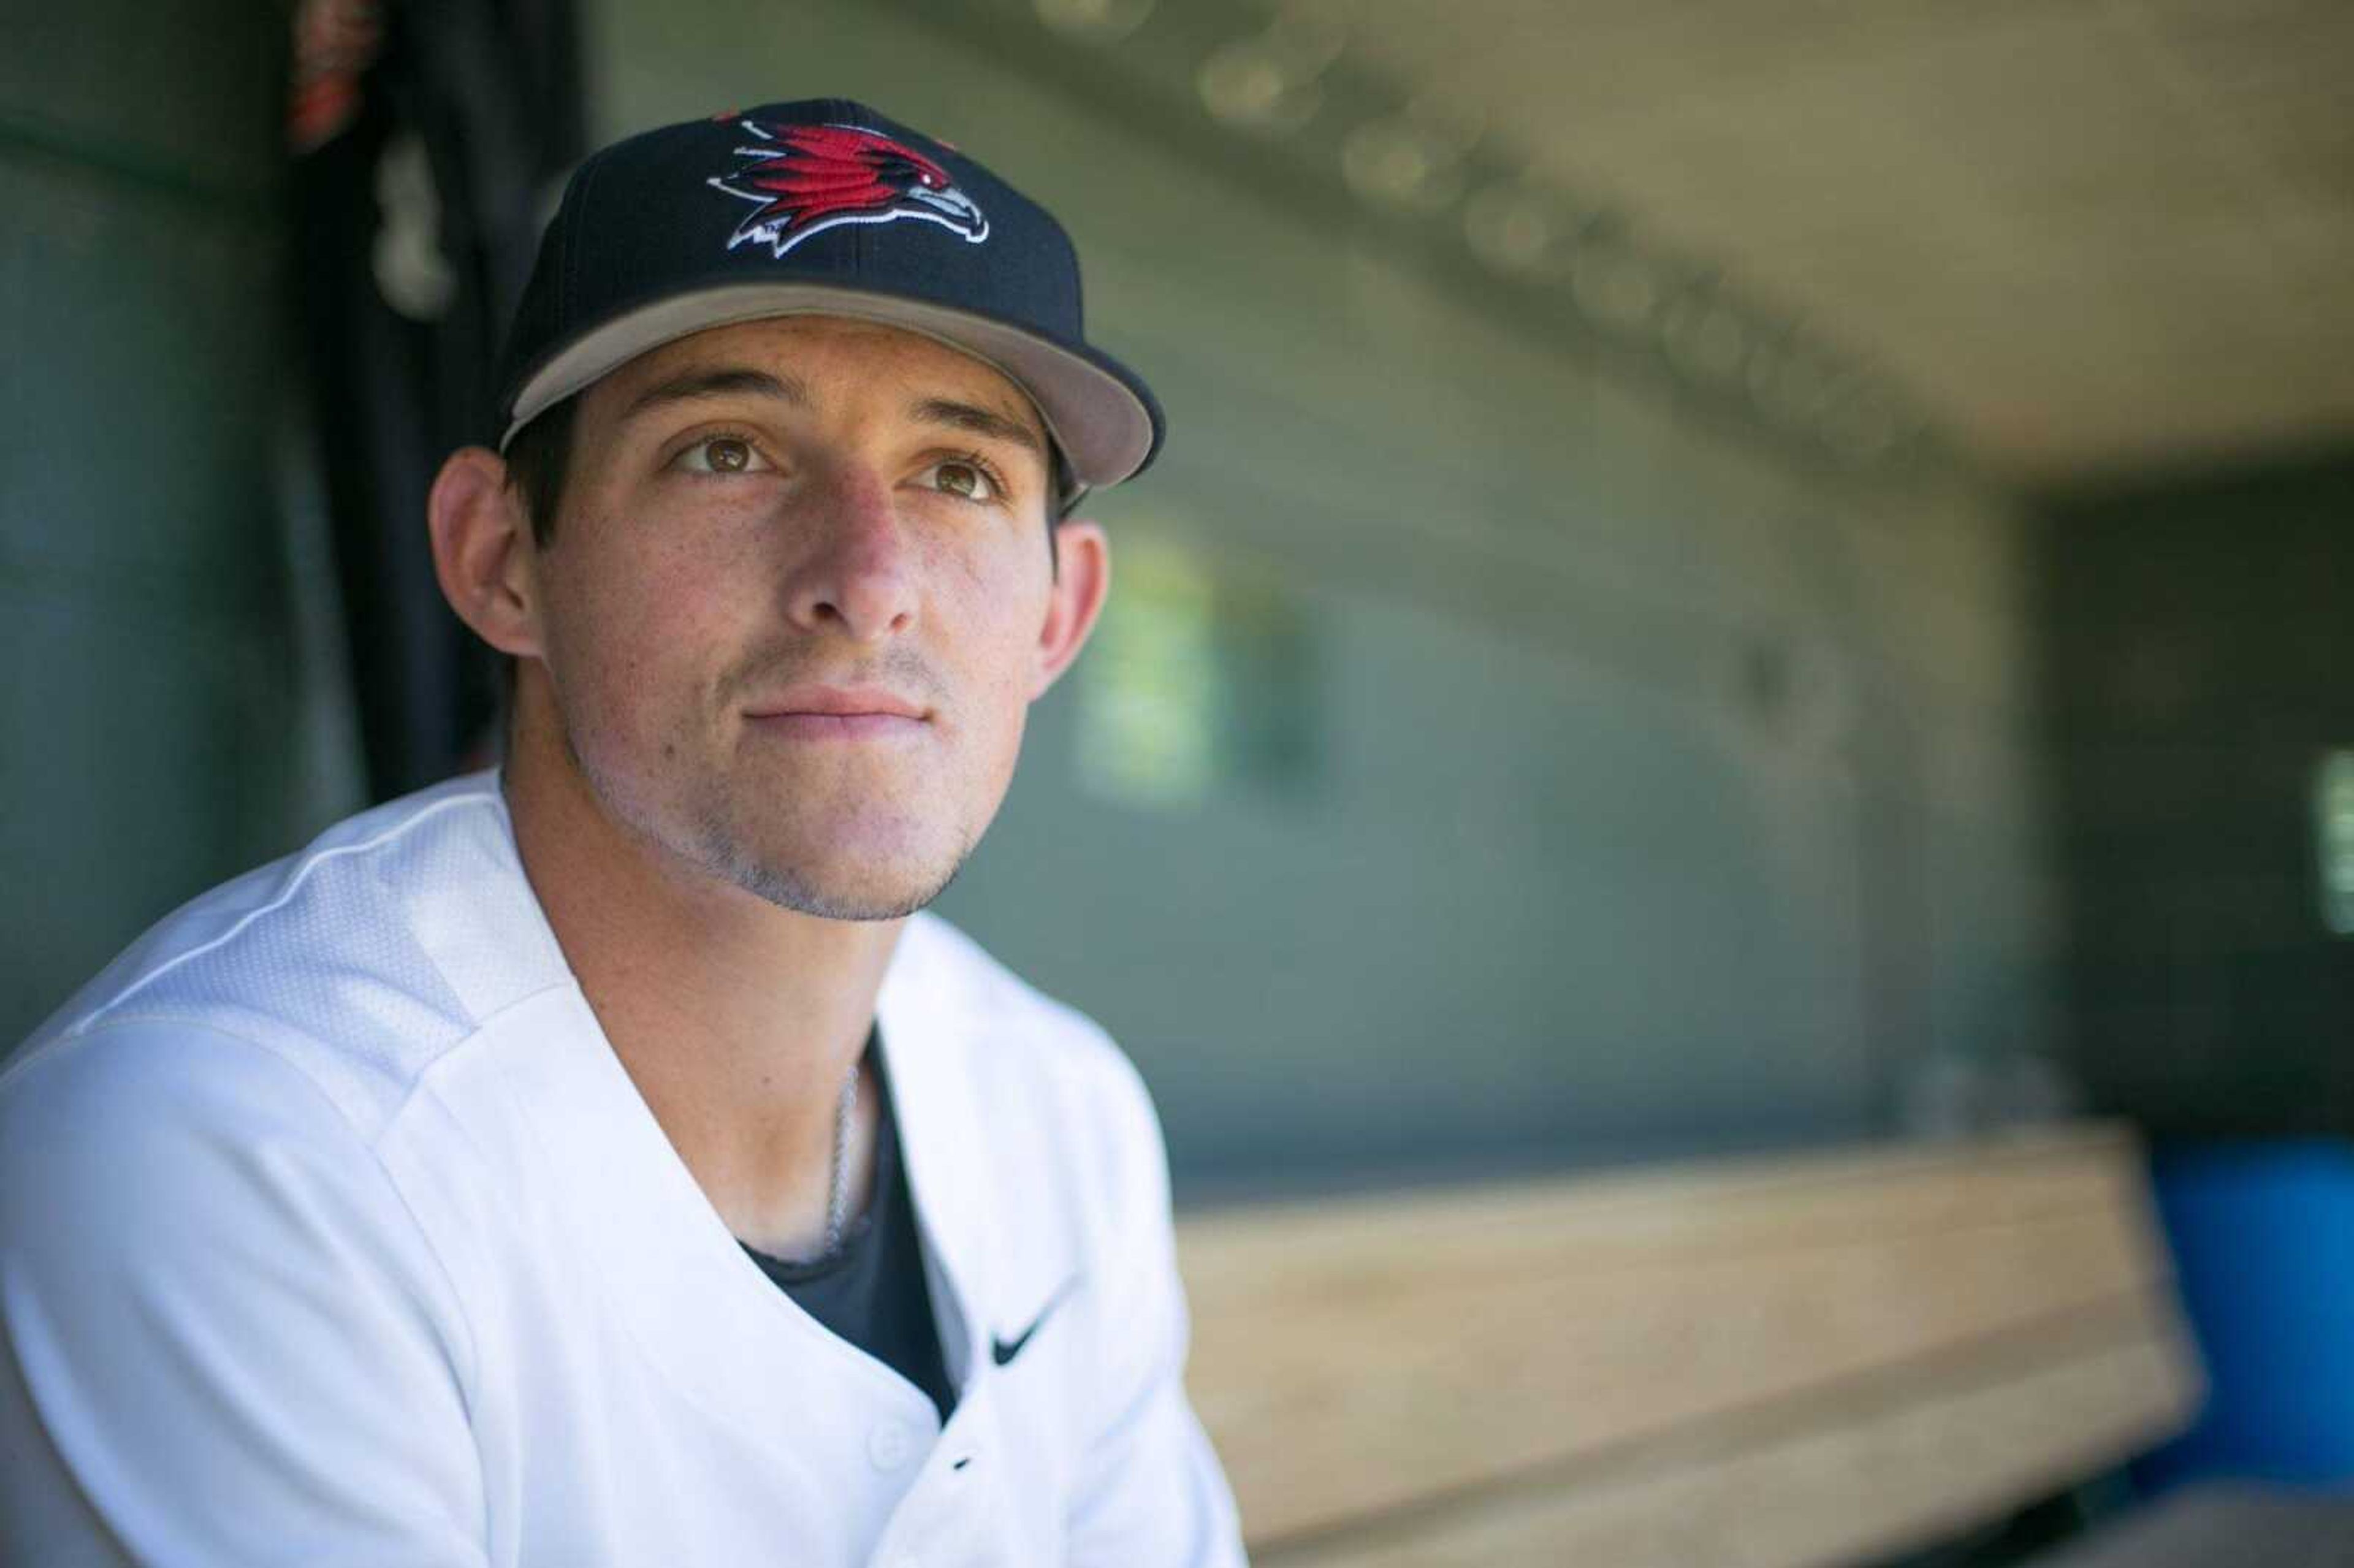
[1358, 1358]
[1854, 1478]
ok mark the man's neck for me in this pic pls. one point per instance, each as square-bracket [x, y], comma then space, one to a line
[737, 1020]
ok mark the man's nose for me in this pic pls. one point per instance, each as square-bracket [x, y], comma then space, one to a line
[854, 576]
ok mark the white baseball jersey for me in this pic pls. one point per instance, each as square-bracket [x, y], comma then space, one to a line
[333, 1231]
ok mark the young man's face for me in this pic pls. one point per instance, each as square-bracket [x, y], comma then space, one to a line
[797, 603]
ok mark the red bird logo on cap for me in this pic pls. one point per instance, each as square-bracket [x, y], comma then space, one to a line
[803, 179]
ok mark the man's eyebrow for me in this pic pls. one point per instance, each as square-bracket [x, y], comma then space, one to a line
[979, 421]
[725, 381]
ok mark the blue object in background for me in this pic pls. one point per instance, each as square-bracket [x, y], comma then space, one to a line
[2263, 1238]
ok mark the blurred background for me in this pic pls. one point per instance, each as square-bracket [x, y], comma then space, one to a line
[1726, 576]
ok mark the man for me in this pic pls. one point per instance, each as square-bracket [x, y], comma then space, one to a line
[601, 1161]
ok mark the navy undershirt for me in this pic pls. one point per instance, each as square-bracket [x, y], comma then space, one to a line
[873, 1292]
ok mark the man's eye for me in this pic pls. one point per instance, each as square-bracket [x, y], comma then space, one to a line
[722, 454]
[968, 479]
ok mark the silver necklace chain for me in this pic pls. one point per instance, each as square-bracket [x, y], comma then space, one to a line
[837, 1195]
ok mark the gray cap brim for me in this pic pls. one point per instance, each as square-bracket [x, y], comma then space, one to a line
[1105, 431]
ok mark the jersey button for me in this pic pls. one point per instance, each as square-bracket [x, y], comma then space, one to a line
[890, 1445]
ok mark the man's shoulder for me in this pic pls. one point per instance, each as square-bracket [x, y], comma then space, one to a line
[357, 961]
[1028, 1056]
[1009, 1019]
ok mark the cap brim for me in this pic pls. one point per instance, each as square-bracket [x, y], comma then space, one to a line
[1097, 412]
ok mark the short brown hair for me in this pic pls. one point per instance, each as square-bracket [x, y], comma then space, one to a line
[538, 460]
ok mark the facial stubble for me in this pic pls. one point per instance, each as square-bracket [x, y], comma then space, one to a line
[713, 836]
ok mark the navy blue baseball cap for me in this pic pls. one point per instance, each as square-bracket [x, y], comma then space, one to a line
[821, 207]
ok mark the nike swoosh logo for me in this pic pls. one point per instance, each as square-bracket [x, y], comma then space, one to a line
[1005, 1351]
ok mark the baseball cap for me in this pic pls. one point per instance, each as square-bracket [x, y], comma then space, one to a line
[819, 208]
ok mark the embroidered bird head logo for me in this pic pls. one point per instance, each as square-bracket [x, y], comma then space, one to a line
[804, 179]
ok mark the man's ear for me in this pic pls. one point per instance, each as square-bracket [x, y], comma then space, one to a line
[1082, 577]
[482, 550]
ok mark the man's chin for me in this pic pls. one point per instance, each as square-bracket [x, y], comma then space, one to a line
[842, 895]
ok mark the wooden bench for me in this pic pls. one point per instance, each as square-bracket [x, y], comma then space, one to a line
[1772, 1364]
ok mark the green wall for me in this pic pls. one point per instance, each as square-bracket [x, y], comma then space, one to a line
[150, 742]
[2197, 649]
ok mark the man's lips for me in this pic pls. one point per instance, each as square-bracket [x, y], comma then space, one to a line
[837, 713]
